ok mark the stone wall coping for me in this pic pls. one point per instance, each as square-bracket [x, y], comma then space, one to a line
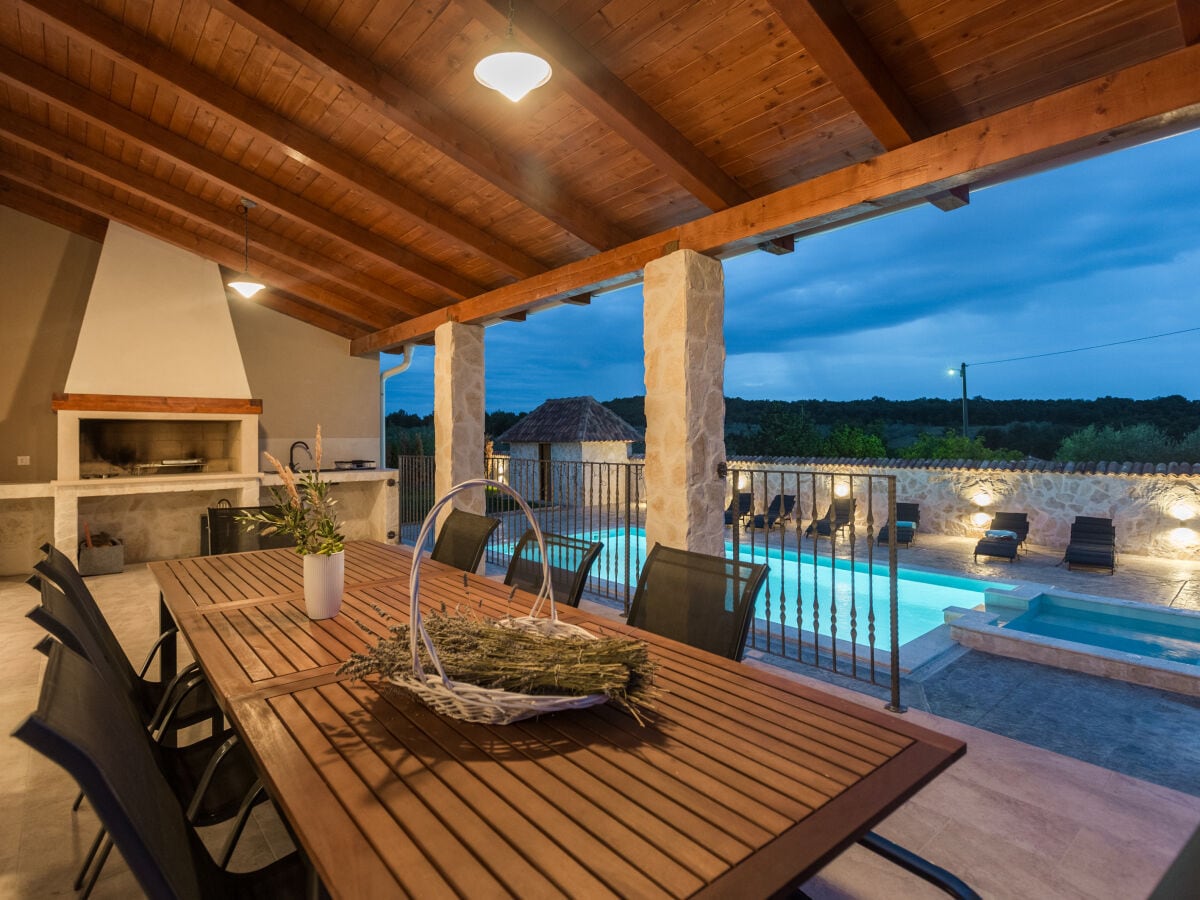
[1020, 465]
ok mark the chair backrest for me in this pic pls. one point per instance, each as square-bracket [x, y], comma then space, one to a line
[570, 560]
[701, 600]
[1011, 521]
[227, 535]
[908, 512]
[1094, 529]
[100, 640]
[82, 727]
[64, 619]
[462, 540]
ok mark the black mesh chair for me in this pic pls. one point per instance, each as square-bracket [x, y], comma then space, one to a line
[69, 612]
[225, 534]
[838, 516]
[83, 727]
[570, 560]
[908, 520]
[701, 600]
[463, 539]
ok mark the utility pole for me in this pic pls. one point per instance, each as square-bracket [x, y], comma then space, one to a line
[963, 372]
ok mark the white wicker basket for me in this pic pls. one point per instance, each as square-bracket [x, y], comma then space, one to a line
[469, 701]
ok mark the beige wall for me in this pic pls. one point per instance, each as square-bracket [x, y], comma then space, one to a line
[307, 377]
[45, 275]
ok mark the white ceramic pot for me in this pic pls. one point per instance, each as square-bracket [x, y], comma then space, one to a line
[324, 580]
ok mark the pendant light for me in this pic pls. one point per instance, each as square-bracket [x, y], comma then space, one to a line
[244, 284]
[510, 70]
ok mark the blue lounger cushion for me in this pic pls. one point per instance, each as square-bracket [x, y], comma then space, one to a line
[912, 525]
[1001, 534]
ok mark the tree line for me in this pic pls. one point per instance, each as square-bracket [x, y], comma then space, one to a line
[1164, 429]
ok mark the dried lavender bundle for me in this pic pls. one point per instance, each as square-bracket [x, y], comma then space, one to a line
[489, 655]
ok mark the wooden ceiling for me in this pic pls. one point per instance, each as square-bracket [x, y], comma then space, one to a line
[393, 192]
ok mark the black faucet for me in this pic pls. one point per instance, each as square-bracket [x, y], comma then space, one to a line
[292, 454]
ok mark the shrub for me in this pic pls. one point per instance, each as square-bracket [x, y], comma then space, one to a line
[949, 445]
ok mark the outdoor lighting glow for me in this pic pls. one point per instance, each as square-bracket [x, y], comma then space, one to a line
[983, 498]
[1184, 537]
[247, 288]
[841, 489]
[980, 519]
[245, 285]
[1183, 511]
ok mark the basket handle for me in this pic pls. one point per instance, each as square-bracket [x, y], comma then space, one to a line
[416, 625]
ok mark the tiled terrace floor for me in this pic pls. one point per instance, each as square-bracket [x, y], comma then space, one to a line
[1012, 819]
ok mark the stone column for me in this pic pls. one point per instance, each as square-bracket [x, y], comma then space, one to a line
[684, 310]
[458, 411]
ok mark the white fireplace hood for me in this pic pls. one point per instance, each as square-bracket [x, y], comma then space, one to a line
[157, 323]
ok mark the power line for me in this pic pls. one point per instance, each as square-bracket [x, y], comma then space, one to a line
[1149, 337]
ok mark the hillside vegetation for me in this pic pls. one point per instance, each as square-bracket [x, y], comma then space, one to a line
[1165, 429]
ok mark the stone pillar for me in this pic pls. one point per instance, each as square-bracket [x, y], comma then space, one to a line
[684, 310]
[458, 411]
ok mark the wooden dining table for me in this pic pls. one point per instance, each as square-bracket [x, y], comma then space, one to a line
[740, 783]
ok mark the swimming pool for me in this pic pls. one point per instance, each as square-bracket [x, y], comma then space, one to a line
[921, 596]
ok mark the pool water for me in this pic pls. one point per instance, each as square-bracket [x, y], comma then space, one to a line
[921, 596]
[1160, 634]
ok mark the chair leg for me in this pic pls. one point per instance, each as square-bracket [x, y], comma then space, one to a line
[101, 859]
[922, 868]
[87, 860]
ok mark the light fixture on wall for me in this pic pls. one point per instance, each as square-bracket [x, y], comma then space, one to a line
[982, 498]
[510, 70]
[841, 489]
[980, 519]
[244, 284]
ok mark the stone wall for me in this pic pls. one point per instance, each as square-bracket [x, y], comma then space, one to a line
[1155, 514]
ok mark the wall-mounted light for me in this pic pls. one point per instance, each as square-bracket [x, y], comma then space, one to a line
[510, 70]
[244, 284]
[841, 489]
[1184, 537]
[1183, 511]
[982, 498]
[980, 519]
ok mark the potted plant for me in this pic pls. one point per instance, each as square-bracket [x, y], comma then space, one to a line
[304, 510]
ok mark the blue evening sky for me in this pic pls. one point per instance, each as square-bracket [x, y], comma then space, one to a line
[1100, 251]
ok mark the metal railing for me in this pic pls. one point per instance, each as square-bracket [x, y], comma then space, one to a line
[830, 596]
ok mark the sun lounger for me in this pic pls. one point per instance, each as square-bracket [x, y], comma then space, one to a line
[838, 516]
[908, 520]
[778, 511]
[1093, 544]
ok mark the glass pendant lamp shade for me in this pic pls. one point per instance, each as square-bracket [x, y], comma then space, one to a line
[244, 284]
[513, 73]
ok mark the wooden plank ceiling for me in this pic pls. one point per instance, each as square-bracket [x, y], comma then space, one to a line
[393, 192]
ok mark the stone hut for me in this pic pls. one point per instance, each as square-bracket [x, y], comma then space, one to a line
[547, 446]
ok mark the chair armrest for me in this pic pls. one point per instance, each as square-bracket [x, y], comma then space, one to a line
[154, 650]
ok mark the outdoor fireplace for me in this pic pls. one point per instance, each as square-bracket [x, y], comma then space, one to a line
[111, 448]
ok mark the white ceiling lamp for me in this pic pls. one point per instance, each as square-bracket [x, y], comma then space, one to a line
[244, 284]
[510, 70]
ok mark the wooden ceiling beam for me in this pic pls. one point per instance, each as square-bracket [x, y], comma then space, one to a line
[45, 141]
[279, 25]
[1189, 20]
[608, 98]
[1152, 99]
[58, 91]
[67, 216]
[110, 38]
[838, 46]
[41, 178]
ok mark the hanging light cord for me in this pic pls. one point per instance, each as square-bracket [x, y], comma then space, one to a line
[246, 238]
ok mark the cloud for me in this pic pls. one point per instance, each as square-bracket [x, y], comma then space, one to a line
[1086, 254]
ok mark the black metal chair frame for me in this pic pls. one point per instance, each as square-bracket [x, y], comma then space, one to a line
[86, 728]
[525, 567]
[739, 584]
[463, 539]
